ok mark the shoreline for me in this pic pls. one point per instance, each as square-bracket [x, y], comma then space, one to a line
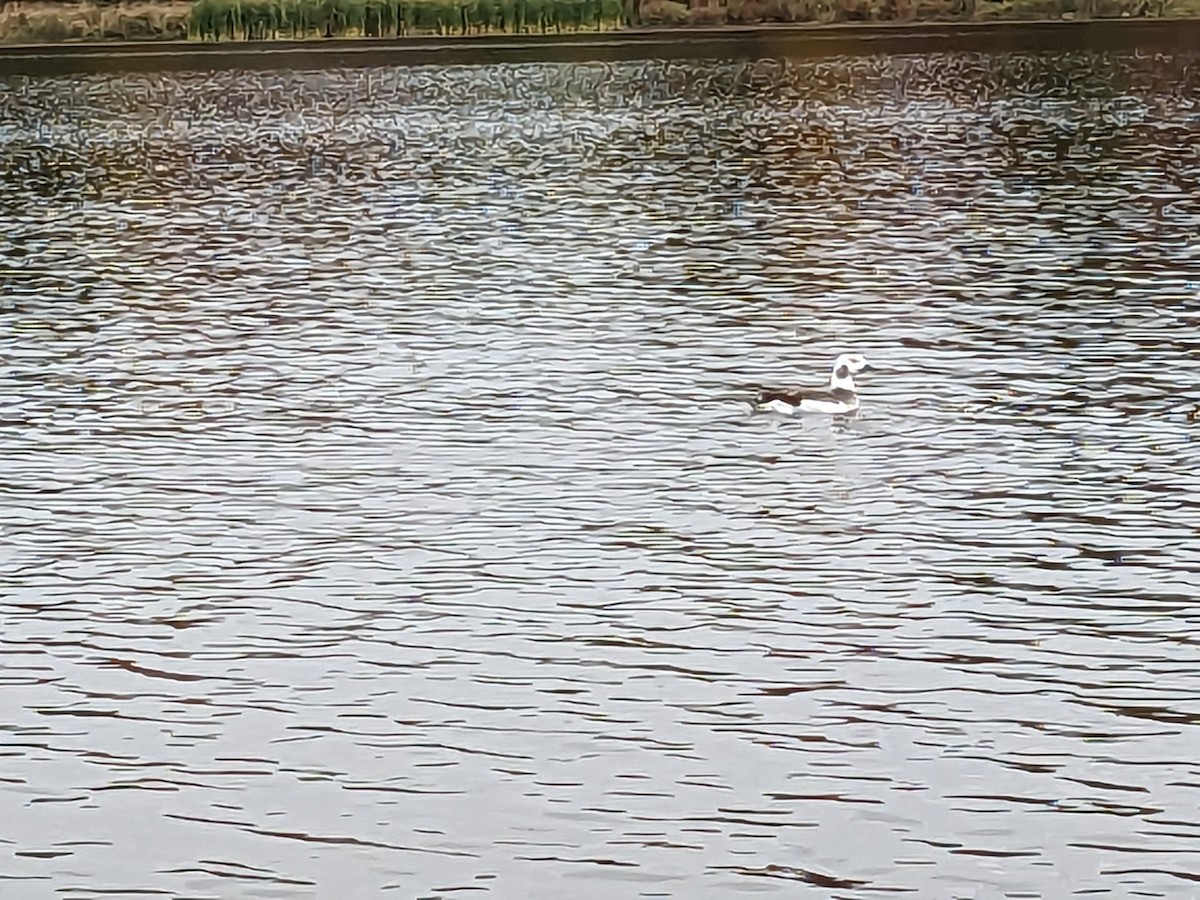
[737, 41]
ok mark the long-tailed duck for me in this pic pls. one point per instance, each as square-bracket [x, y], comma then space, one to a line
[840, 397]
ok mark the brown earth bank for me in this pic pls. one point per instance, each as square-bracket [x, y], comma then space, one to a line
[39, 21]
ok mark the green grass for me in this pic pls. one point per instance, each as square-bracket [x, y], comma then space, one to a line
[217, 20]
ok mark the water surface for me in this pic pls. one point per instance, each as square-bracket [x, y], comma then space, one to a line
[382, 513]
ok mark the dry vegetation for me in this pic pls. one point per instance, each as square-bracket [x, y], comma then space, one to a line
[42, 21]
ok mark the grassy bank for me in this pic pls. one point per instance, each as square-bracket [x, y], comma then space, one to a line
[217, 20]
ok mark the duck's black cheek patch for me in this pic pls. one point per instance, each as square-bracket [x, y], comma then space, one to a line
[842, 372]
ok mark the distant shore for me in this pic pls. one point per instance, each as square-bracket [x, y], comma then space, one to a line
[807, 40]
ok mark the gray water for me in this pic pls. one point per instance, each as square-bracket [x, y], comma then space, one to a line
[383, 514]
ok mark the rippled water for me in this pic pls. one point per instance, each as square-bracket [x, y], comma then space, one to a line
[383, 516]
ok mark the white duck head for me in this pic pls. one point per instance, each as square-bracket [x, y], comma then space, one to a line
[845, 367]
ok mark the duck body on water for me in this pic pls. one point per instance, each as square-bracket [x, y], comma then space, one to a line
[841, 396]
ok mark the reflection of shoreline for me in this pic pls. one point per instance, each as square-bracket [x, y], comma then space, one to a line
[660, 42]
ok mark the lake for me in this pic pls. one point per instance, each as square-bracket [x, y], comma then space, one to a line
[383, 513]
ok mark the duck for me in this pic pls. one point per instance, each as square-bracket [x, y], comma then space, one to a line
[840, 397]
